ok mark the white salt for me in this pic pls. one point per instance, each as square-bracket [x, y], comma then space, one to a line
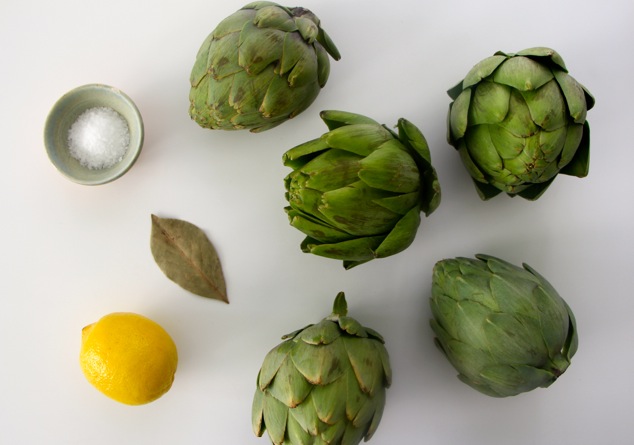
[99, 138]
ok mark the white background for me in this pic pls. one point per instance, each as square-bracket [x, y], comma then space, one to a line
[72, 253]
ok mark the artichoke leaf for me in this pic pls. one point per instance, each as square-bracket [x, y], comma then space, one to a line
[336, 118]
[400, 204]
[483, 151]
[390, 167]
[352, 210]
[459, 115]
[480, 385]
[512, 294]
[187, 257]
[522, 73]
[306, 416]
[233, 23]
[507, 145]
[553, 309]
[355, 397]
[330, 401]
[495, 265]
[519, 120]
[547, 106]
[218, 64]
[366, 363]
[489, 103]
[352, 435]
[401, 236]
[470, 165]
[326, 42]
[317, 231]
[357, 250]
[575, 96]
[513, 336]
[553, 319]
[579, 165]
[281, 101]
[361, 139]
[574, 138]
[547, 53]
[333, 433]
[534, 191]
[323, 65]
[273, 16]
[572, 342]
[198, 102]
[298, 156]
[296, 433]
[305, 200]
[275, 414]
[257, 415]
[486, 191]
[552, 143]
[245, 93]
[413, 138]
[364, 417]
[589, 97]
[466, 286]
[482, 70]
[431, 194]
[352, 327]
[289, 386]
[217, 105]
[307, 28]
[200, 68]
[466, 358]
[259, 48]
[320, 365]
[322, 333]
[385, 359]
[508, 380]
[293, 50]
[469, 322]
[455, 91]
[304, 72]
[379, 404]
[332, 170]
[272, 363]
[253, 121]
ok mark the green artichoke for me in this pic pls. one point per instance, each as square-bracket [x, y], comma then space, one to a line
[325, 384]
[261, 66]
[505, 329]
[518, 120]
[357, 191]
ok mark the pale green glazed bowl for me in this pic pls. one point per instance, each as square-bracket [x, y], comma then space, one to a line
[64, 113]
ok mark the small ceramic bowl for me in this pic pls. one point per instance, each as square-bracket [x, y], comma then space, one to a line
[64, 113]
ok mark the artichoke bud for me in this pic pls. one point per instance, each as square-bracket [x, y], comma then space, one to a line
[357, 191]
[518, 120]
[504, 328]
[261, 66]
[325, 383]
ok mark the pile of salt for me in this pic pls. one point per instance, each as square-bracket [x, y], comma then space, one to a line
[99, 138]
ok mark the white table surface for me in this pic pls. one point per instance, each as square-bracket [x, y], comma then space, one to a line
[72, 253]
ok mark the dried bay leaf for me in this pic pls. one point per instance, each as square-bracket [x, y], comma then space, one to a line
[186, 256]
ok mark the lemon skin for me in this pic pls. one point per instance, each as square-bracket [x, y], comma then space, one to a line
[128, 357]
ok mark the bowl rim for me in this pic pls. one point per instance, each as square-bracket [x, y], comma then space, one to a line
[136, 145]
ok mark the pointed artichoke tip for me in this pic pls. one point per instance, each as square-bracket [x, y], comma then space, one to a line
[340, 306]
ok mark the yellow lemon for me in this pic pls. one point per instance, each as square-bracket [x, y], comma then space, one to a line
[128, 357]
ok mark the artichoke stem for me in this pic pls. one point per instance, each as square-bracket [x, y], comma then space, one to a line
[339, 307]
